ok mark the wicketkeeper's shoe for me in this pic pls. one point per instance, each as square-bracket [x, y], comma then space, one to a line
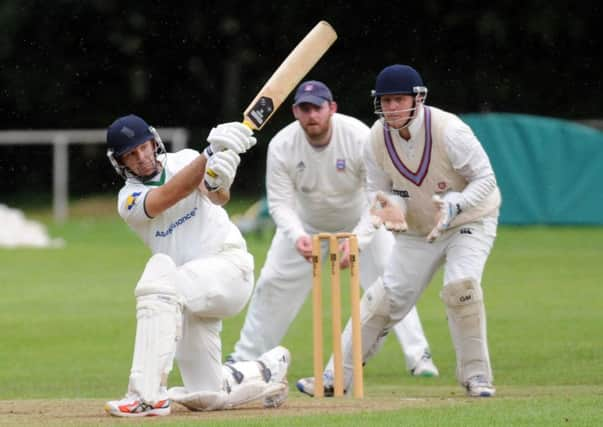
[425, 367]
[306, 386]
[133, 406]
[479, 386]
[277, 361]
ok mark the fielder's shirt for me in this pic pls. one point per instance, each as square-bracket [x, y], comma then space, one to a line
[317, 189]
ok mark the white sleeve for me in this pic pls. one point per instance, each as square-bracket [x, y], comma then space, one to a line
[130, 204]
[281, 195]
[470, 160]
[376, 180]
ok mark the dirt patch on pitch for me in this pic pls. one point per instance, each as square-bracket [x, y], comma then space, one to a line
[85, 412]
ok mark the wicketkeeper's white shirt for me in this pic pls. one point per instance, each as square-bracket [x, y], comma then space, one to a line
[192, 228]
[312, 189]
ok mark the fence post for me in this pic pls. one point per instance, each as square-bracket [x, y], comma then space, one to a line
[60, 174]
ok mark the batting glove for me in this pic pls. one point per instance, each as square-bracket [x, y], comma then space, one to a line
[448, 207]
[223, 165]
[233, 136]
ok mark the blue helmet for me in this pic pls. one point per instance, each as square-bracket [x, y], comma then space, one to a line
[399, 79]
[125, 134]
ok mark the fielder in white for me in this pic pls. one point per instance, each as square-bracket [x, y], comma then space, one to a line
[200, 273]
[435, 188]
[315, 183]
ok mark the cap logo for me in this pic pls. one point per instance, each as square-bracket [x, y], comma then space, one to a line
[309, 88]
[127, 132]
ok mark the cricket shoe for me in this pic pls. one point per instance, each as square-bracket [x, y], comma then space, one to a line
[479, 386]
[425, 367]
[277, 362]
[307, 386]
[133, 406]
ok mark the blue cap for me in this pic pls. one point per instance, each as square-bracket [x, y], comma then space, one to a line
[313, 92]
[127, 133]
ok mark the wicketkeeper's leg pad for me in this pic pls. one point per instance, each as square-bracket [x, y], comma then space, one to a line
[375, 318]
[375, 321]
[159, 326]
[467, 322]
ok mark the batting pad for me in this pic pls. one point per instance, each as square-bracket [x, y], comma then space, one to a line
[199, 400]
[244, 382]
[249, 381]
[158, 327]
[157, 330]
[253, 390]
[467, 322]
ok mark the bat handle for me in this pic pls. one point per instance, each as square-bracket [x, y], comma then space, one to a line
[249, 124]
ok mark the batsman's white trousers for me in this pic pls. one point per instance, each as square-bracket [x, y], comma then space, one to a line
[284, 284]
[213, 288]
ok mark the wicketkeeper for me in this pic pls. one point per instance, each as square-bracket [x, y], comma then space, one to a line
[435, 189]
[199, 274]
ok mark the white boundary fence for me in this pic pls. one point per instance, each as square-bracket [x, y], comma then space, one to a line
[60, 139]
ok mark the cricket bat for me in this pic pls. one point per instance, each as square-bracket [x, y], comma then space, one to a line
[293, 69]
[299, 62]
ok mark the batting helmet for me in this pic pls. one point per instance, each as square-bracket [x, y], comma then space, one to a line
[398, 79]
[127, 133]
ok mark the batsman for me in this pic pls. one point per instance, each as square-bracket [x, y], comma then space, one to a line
[435, 189]
[200, 272]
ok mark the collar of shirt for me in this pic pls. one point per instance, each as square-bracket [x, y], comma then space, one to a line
[417, 124]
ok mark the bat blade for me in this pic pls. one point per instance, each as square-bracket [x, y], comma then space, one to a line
[299, 62]
[292, 70]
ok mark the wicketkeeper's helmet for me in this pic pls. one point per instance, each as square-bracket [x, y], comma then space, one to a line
[399, 79]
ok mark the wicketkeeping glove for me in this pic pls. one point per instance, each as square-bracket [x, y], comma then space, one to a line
[389, 212]
[224, 166]
[448, 207]
[233, 136]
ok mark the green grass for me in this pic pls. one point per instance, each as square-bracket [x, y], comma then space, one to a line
[67, 318]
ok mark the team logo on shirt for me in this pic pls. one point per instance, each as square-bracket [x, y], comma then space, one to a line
[131, 200]
[442, 185]
[340, 165]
